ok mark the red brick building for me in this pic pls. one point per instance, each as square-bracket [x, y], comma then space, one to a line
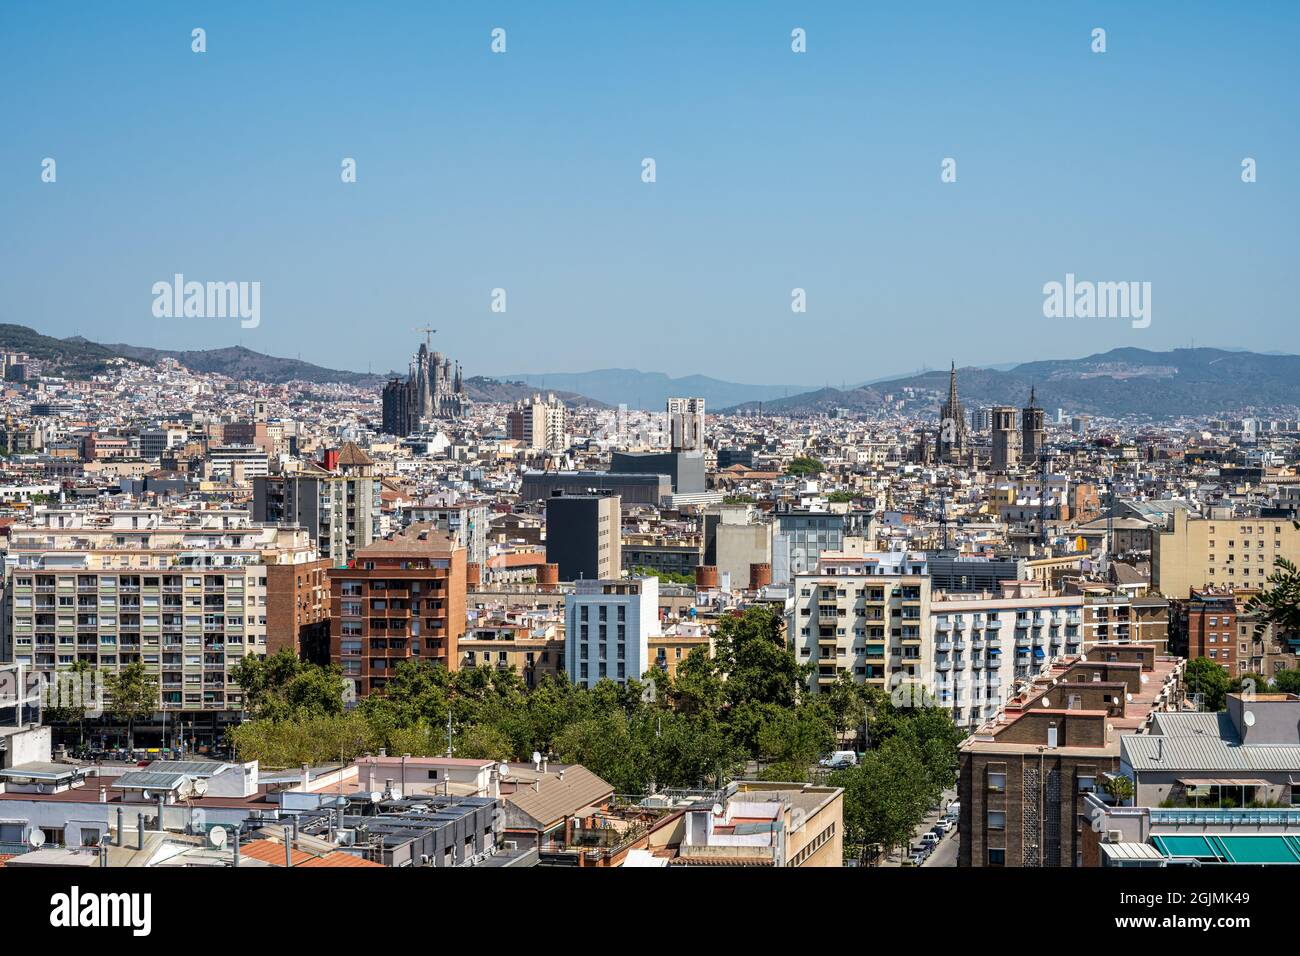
[402, 598]
[298, 609]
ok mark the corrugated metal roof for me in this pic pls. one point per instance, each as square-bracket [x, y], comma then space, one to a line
[148, 780]
[1146, 752]
[1194, 724]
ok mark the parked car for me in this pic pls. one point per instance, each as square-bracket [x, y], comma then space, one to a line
[929, 838]
[917, 857]
[839, 760]
[945, 825]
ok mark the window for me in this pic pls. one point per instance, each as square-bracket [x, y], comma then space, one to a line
[997, 820]
[997, 857]
[997, 782]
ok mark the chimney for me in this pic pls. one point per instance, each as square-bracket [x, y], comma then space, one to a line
[120, 838]
[103, 794]
[306, 776]
[139, 831]
[288, 850]
[1160, 748]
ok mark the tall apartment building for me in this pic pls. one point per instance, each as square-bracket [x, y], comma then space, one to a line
[607, 625]
[584, 536]
[298, 609]
[539, 425]
[1205, 552]
[686, 424]
[338, 503]
[401, 598]
[863, 615]
[985, 645]
[184, 594]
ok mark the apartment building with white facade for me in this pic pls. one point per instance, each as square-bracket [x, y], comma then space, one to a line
[985, 643]
[607, 624]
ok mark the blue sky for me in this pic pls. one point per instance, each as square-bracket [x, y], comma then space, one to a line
[774, 171]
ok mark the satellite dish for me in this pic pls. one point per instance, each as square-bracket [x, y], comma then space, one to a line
[1129, 698]
[1083, 657]
[200, 787]
[1047, 702]
[504, 768]
[537, 757]
[717, 809]
[147, 795]
[1248, 718]
[375, 796]
[36, 839]
[1145, 679]
[217, 837]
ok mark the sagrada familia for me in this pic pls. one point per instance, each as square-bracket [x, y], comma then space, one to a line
[433, 391]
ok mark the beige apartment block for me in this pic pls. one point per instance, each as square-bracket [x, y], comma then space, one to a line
[1205, 552]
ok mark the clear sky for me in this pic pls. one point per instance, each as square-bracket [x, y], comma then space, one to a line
[775, 170]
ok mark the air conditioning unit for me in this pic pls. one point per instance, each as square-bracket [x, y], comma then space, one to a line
[1114, 836]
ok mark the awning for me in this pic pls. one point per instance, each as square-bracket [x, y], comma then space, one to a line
[1254, 849]
[1223, 782]
[1038, 652]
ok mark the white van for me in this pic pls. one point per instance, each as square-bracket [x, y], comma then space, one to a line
[840, 759]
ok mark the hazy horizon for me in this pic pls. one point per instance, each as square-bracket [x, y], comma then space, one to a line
[775, 171]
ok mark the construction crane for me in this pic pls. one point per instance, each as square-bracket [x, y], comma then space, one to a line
[428, 335]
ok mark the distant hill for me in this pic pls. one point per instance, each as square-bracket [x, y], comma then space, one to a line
[1118, 383]
[482, 389]
[79, 357]
[239, 362]
[651, 390]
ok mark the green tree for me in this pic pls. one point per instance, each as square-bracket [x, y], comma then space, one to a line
[133, 693]
[482, 742]
[1278, 604]
[848, 704]
[1120, 788]
[1287, 681]
[68, 697]
[280, 686]
[751, 651]
[885, 797]
[802, 466]
[1204, 676]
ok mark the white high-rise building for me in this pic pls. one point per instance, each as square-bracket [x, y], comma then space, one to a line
[607, 624]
